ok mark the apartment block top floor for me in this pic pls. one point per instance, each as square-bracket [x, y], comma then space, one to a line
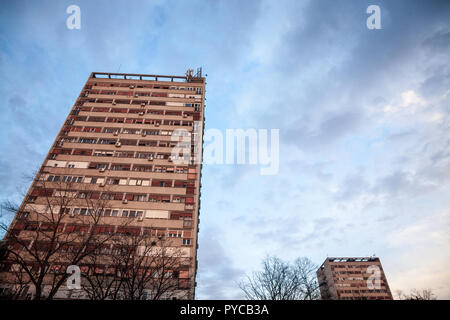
[190, 77]
[350, 260]
[332, 263]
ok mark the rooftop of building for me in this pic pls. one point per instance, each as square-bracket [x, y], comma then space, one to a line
[350, 259]
[353, 259]
[190, 76]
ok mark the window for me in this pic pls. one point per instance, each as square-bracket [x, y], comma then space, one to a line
[143, 155]
[150, 132]
[88, 140]
[120, 167]
[129, 231]
[100, 109]
[64, 211]
[129, 197]
[111, 130]
[181, 170]
[79, 152]
[103, 230]
[175, 234]
[106, 141]
[138, 197]
[24, 215]
[42, 192]
[136, 182]
[107, 196]
[154, 198]
[97, 119]
[131, 131]
[118, 196]
[142, 168]
[124, 154]
[116, 120]
[113, 180]
[189, 200]
[92, 129]
[70, 179]
[82, 195]
[186, 242]
[147, 143]
[53, 178]
[189, 190]
[157, 183]
[100, 153]
[119, 110]
[128, 142]
[180, 184]
[95, 165]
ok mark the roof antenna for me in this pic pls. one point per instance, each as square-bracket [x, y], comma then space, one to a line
[118, 69]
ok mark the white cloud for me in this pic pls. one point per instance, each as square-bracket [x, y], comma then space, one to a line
[424, 258]
[410, 98]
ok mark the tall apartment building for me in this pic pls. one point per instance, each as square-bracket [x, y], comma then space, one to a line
[353, 279]
[125, 164]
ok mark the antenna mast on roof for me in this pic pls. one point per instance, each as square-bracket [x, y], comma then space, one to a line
[190, 74]
[199, 72]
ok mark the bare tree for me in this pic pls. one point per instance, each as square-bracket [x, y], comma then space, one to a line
[102, 279]
[280, 280]
[305, 271]
[424, 294]
[44, 238]
[142, 266]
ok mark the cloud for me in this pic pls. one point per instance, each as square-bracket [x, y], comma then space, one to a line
[422, 259]
[217, 277]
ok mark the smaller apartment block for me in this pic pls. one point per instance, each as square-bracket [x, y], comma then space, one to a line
[353, 279]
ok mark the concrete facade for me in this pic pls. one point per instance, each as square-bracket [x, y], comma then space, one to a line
[118, 137]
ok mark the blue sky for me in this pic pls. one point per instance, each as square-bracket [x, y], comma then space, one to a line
[363, 118]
